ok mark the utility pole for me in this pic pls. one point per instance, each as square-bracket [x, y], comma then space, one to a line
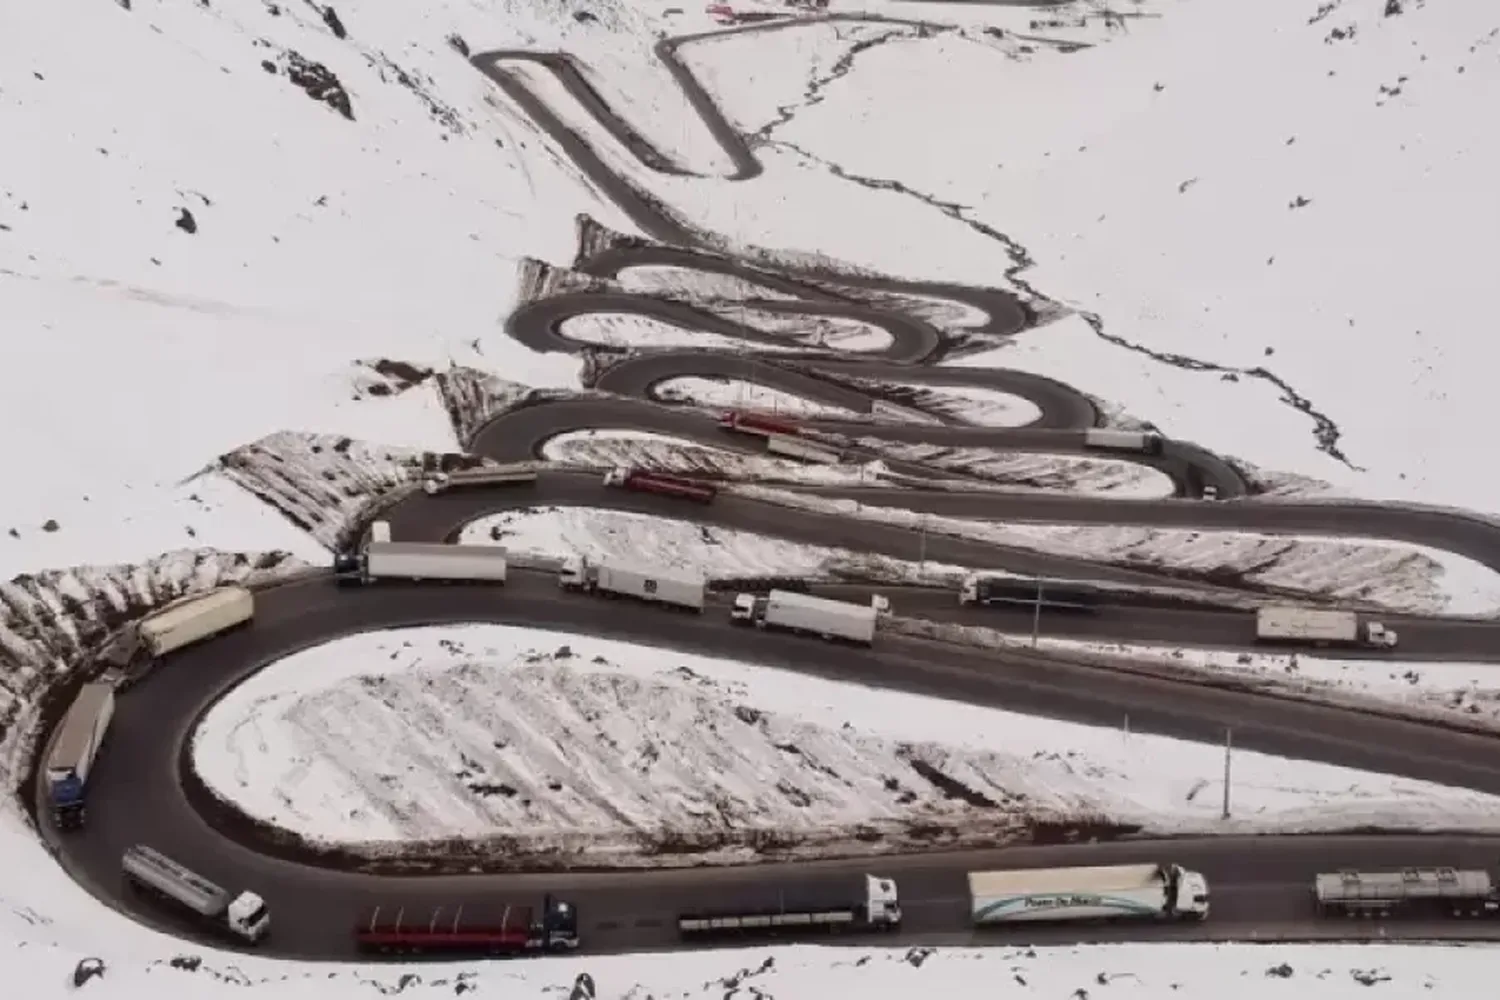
[1127, 723]
[1036, 615]
[1228, 753]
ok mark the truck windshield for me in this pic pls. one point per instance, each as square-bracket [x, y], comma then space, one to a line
[257, 918]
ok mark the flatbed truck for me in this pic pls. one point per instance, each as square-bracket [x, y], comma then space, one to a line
[485, 475]
[418, 561]
[858, 904]
[762, 424]
[244, 915]
[1113, 892]
[193, 619]
[665, 484]
[1407, 892]
[73, 752]
[1320, 627]
[474, 928]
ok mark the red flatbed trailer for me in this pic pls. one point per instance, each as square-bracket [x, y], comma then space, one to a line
[495, 930]
[663, 483]
[750, 422]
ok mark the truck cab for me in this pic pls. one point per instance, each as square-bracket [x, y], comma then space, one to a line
[1376, 634]
[248, 916]
[1190, 892]
[573, 573]
[559, 925]
[745, 608]
[435, 482]
[616, 476]
[348, 567]
[883, 902]
[67, 798]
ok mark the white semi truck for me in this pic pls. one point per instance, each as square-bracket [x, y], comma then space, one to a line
[417, 561]
[857, 903]
[822, 616]
[614, 578]
[485, 475]
[791, 447]
[74, 750]
[1114, 892]
[244, 915]
[1107, 439]
[1407, 892]
[194, 619]
[1320, 627]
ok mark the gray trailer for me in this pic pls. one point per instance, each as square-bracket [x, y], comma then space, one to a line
[73, 752]
[486, 475]
[417, 561]
[244, 915]
[1407, 892]
[821, 616]
[792, 447]
[1108, 439]
[1320, 627]
[613, 578]
[856, 904]
[194, 619]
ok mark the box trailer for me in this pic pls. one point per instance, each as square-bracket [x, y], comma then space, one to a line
[418, 561]
[194, 619]
[618, 578]
[790, 447]
[1054, 595]
[74, 750]
[475, 928]
[1320, 627]
[1406, 892]
[486, 475]
[244, 915]
[822, 616]
[1114, 892]
[858, 904]
[1107, 439]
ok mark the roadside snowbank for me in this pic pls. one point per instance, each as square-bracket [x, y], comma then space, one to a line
[599, 752]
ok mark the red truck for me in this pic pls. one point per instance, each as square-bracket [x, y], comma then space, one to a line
[470, 928]
[660, 482]
[750, 422]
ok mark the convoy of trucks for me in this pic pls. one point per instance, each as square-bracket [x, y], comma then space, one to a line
[1113, 892]
[762, 424]
[1408, 892]
[73, 752]
[194, 619]
[859, 903]
[487, 475]
[244, 915]
[469, 928]
[822, 616]
[415, 561]
[1057, 595]
[1320, 627]
[791, 447]
[1107, 439]
[642, 481]
[614, 578]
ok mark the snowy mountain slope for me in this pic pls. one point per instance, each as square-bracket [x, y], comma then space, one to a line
[607, 449]
[572, 750]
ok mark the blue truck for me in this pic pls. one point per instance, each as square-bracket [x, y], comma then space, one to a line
[73, 752]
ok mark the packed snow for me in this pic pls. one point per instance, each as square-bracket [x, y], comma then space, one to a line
[586, 750]
[1392, 575]
[796, 334]
[598, 449]
[727, 393]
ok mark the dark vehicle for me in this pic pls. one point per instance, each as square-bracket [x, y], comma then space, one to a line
[1056, 595]
[469, 928]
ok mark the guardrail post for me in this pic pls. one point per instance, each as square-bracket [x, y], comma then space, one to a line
[1036, 615]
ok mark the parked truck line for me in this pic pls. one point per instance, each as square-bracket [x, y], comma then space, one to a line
[486, 475]
[1109, 439]
[1320, 627]
[418, 561]
[469, 928]
[665, 484]
[1113, 892]
[821, 616]
[616, 578]
[1407, 892]
[859, 904]
[78, 742]
[244, 915]
[194, 619]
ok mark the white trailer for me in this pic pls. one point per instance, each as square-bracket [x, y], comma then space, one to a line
[1154, 892]
[194, 619]
[244, 915]
[790, 447]
[1108, 439]
[485, 475]
[792, 612]
[1320, 627]
[380, 532]
[678, 588]
[417, 561]
[1410, 891]
[73, 752]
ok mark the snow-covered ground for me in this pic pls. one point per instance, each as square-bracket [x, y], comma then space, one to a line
[586, 750]
[622, 331]
[726, 393]
[1393, 575]
[599, 449]
[1034, 471]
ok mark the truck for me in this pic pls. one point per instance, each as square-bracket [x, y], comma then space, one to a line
[790, 447]
[416, 561]
[664, 483]
[244, 916]
[858, 903]
[1407, 892]
[73, 752]
[822, 616]
[1112, 892]
[474, 928]
[194, 619]
[616, 578]
[380, 532]
[1055, 595]
[1320, 627]
[1108, 439]
[762, 424]
[487, 475]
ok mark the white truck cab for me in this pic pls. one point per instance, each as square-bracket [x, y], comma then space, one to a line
[743, 609]
[882, 902]
[571, 573]
[1192, 894]
[435, 482]
[616, 476]
[881, 604]
[1376, 634]
[248, 916]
